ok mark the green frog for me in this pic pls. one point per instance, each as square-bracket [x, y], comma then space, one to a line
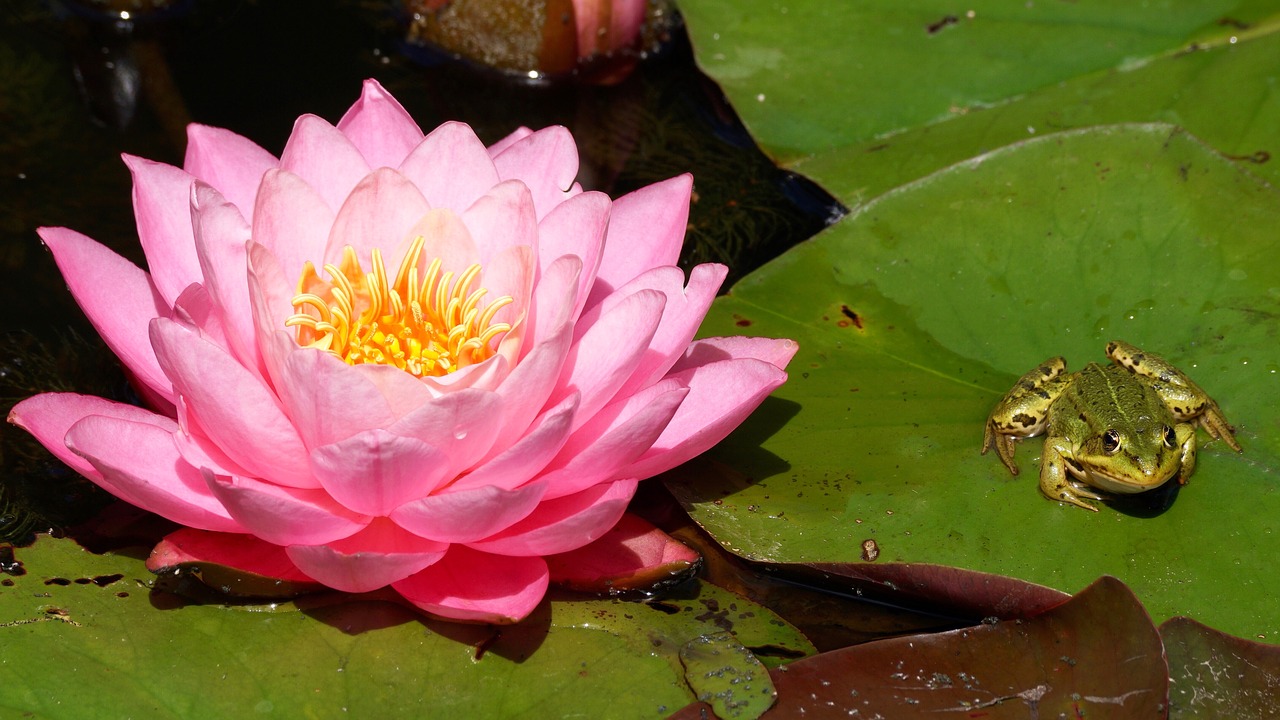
[1122, 428]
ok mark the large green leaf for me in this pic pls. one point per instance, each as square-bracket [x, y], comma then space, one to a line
[102, 644]
[809, 77]
[916, 313]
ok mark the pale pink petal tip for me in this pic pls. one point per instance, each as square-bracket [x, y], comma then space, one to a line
[240, 565]
[634, 555]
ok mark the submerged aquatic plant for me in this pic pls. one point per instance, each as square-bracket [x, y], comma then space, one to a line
[386, 358]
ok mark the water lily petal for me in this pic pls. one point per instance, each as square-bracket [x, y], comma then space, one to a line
[243, 552]
[501, 218]
[379, 213]
[462, 424]
[576, 227]
[526, 390]
[478, 587]
[681, 316]
[324, 158]
[518, 462]
[120, 309]
[721, 395]
[379, 555]
[379, 127]
[646, 230]
[565, 523]
[546, 161]
[374, 471]
[239, 412]
[162, 206]
[510, 273]
[195, 309]
[229, 162]
[446, 237]
[451, 167]
[516, 136]
[467, 515]
[618, 435]
[49, 416]
[292, 221]
[284, 515]
[328, 399]
[633, 555]
[221, 235]
[606, 352]
[708, 350]
[138, 463]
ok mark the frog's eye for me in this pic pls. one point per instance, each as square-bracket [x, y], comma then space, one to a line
[1111, 441]
[1170, 438]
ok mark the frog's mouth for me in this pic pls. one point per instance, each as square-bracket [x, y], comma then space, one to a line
[1123, 484]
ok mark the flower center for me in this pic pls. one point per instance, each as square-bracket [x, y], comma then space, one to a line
[427, 326]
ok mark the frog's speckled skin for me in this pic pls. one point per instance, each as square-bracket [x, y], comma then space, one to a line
[1123, 428]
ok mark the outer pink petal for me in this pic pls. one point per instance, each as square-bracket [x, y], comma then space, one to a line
[271, 297]
[516, 136]
[708, 350]
[646, 230]
[49, 416]
[243, 552]
[379, 555]
[229, 162]
[374, 471]
[322, 156]
[527, 456]
[526, 390]
[565, 523]
[634, 555]
[478, 587]
[138, 463]
[546, 161]
[221, 235]
[721, 395]
[328, 399]
[195, 309]
[292, 221]
[451, 167]
[379, 213]
[467, 515]
[379, 127]
[239, 412]
[503, 217]
[576, 227]
[462, 424]
[119, 309]
[284, 515]
[162, 207]
[614, 438]
[606, 353]
[681, 317]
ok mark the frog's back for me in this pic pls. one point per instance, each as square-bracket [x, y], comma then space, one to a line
[1113, 397]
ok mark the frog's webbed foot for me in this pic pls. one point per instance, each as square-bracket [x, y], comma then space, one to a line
[1072, 493]
[1004, 445]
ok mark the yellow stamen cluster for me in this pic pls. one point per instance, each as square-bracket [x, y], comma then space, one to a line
[426, 326]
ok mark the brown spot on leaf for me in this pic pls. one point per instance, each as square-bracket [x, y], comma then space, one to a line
[934, 27]
[853, 316]
[870, 550]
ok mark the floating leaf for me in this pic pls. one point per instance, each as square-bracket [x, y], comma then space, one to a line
[1213, 675]
[914, 316]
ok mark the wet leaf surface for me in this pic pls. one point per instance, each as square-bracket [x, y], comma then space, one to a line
[102, 643]
[1096, 656]
[916, 313]
[1213, 675]
[726, 676]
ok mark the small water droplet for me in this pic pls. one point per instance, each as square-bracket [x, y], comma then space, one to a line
[460, 434]
[1237, 274]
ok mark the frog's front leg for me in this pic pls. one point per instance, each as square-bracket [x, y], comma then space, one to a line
[1180, 394]
[1186, 434]
[1055, 478]
[1022, 412]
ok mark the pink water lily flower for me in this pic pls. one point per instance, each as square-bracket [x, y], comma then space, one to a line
[386, 358]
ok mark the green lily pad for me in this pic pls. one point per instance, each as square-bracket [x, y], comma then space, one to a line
[915, 314]
[808, 77]
[99, 642]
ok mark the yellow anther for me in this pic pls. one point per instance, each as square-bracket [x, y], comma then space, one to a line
[424, 323]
